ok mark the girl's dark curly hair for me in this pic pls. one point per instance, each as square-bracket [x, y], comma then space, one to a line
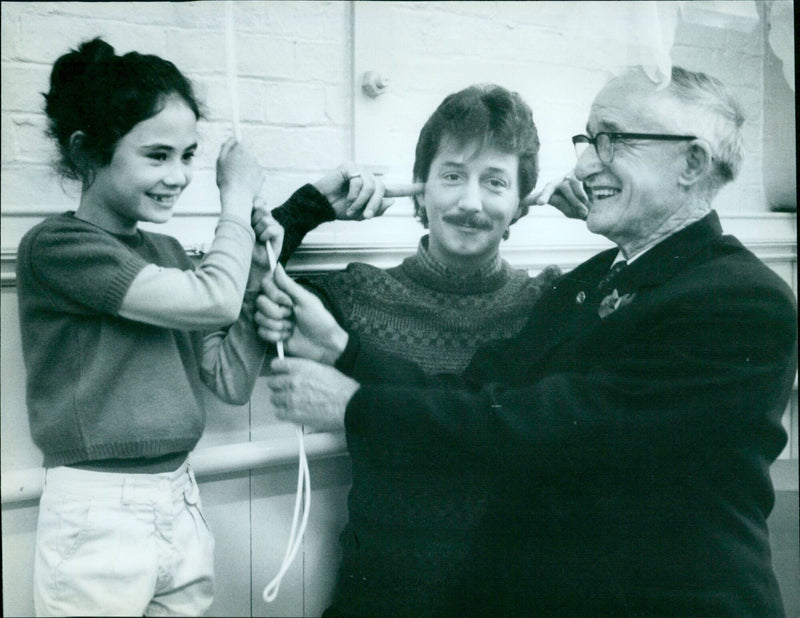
[103, 95]
[486, 115]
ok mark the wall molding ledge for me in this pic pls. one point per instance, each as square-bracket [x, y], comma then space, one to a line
[24, 485]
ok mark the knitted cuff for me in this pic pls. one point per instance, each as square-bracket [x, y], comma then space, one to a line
[300, 214]
[346, 362]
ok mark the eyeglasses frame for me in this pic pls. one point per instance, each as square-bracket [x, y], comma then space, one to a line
[620, 135]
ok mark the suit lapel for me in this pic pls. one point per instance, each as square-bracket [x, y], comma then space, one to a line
[670, 256]
[572, 308]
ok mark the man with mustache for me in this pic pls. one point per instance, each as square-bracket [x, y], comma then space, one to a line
[411, 525]
[628, 430]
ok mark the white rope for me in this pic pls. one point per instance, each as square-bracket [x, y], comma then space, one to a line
[295, 536]
[230, 65]
[303, 476]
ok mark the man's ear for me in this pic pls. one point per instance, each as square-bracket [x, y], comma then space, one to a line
[419, 207]
[697, 163]
[420, 197]
[519, 213]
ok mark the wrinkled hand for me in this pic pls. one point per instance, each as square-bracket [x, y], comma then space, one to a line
[566, 194]
[287, 312]
[354, 193]
[267, 229]
[239, 178]
[308, 393]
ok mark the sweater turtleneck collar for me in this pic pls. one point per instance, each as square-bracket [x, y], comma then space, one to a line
[430, 272]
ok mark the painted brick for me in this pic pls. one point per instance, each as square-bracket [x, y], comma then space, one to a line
[266, 56]
[338, 104]
[50, 194]
[31, 145]
[189, 50]
[323, 61]
[277, 149]
[9, 32]
[204, 15]
[211, 137]
[205, 91]
[43, 38]
[295, 87]
[201, 196]
[7, 141]
[306, 20]
[23, 86]
[467, 8]
[550, 15]
[300, 148]
[214, 92]
[280, 185]
[252, 96]
[145, 13]
[291, 103]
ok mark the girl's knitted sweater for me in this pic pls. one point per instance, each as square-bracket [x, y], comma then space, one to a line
[100, 386]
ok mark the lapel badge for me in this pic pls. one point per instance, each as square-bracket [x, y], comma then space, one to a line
[580, 297]
[614, 301]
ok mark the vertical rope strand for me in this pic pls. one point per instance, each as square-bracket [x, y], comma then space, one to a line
[231, 67]
[303, 476]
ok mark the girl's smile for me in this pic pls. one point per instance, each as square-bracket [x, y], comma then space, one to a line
[150, 168]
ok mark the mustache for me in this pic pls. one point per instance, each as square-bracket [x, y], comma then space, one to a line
[473, 220]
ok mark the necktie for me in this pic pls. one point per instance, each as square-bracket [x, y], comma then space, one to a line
[606, 285]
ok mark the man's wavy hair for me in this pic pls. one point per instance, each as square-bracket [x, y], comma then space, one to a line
[488, 116]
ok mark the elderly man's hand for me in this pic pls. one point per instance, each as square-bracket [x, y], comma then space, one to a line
[308, 393]
[566, 194]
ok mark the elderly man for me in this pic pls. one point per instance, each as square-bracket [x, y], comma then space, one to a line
[629, 429]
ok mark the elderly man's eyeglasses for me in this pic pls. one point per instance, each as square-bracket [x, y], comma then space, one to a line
[604, 142]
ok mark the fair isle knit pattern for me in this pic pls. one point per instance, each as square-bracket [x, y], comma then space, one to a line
[423, 311]
[411, 523]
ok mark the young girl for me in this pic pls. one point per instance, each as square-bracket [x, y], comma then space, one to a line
[115, 325]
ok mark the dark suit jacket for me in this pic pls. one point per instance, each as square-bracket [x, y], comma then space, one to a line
[629, 454]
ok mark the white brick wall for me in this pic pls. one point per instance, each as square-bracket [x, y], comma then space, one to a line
[294, 81]
[556, 54]
[303, 112]
[297, 91]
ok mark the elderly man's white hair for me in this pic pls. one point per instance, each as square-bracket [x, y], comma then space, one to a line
[701, 105]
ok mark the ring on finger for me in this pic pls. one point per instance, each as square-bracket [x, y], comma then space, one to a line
[355, 175]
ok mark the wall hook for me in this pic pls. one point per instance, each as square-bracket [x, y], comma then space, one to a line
[374, 84]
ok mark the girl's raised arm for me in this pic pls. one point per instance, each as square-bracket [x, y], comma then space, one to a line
[210, 296]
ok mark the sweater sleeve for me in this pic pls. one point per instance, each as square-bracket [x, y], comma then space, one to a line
[646, 405]
[208, 297]
[79, 269]
[233, 357]
[300, 214]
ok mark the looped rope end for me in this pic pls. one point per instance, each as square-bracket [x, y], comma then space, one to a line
[295, 535]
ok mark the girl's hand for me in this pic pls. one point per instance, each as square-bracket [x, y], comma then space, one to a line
[239, 178]
[354, 193]
[267, 230]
